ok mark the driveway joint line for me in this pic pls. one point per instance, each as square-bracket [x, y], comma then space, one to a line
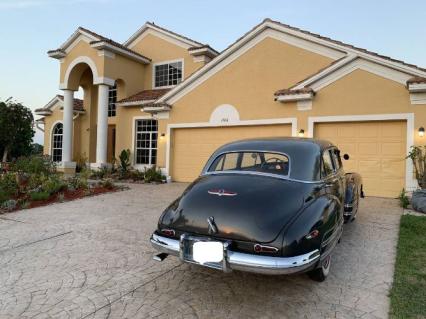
[132, 291]
[36, 241]
[13, 220]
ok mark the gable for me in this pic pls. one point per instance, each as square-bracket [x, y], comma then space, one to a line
[249, 81]
[307, 40]
[160, 50]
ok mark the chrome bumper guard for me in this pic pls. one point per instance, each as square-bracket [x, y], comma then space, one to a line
[247, 262]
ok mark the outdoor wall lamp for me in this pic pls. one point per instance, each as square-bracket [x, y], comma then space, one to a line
[301, 133]
[421, 131]
[162, 136]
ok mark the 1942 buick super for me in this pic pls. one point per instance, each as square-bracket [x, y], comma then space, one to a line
[270, 206]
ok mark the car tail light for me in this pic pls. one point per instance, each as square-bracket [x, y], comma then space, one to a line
[264, 249]
[168, 232]
[312, 234]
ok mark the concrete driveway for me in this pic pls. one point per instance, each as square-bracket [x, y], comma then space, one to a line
[91, 258]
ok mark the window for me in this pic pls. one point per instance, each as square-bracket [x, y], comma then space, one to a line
[260, 162]
[167, 74]
[146, 142]
[327, 164]
[336, 158]
[57, 142]
[112, 100]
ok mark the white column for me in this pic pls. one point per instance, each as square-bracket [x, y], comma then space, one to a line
[102, 127]
[67, 126]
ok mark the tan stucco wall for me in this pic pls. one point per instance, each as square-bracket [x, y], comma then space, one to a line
[160, 50]
[249, 82]
[126, 117]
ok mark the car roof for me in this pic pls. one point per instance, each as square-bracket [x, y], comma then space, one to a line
[277, 142]
[304, 153]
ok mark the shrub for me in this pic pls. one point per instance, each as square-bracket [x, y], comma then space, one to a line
[101, 173]
[9, 205]
[153, 174]
[124, 162]
[403, 199]
[39, 195]
[108, 184]
[53, 184]
[35, 165]
[8, 185]
[136, 175]
[78, 183]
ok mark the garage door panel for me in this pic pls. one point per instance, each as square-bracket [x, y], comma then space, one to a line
[376, 150]
[192, 147]
[368, 149]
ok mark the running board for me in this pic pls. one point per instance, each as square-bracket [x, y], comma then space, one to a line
[160, 256]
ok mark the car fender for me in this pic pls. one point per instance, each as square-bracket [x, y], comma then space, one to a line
[323, 215]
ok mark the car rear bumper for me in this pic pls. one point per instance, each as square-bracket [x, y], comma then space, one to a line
[248, 262]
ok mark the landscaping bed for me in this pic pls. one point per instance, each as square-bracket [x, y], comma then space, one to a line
[34, 182]
[408, 294]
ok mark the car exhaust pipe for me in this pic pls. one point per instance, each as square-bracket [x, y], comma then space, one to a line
[160, 257]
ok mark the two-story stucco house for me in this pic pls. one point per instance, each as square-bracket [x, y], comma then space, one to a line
[172, 100]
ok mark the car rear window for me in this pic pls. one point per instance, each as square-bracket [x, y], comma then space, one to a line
[260, 162]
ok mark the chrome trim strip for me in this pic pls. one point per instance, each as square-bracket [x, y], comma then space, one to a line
[262, 174]
[247, 262]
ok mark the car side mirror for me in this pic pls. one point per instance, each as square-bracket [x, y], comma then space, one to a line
[346, 157]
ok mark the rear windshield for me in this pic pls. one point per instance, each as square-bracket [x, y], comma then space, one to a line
[260, 162]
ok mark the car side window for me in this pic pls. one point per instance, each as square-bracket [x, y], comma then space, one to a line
[337, 159]
[327, 164]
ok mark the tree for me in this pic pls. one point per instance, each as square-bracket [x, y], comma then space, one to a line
[36, 149]
[16, 129]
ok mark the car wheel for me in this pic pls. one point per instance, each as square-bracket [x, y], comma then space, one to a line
[321, 273]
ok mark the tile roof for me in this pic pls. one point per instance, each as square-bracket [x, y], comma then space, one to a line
[293, 91]
[205, 46]
[78, 104]
[416, 80]
[110, 41]
[172, 32]
[145, 95]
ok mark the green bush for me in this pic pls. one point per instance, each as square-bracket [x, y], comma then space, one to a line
[78, 183]
[403, 199]
[101, 173]
[53, 184]
[8, 186]
[108, 184]
[9, 204]
[39, 195]
[136, 175]
[35, 165]
[153, 174]
[81, 163]
[124, 162]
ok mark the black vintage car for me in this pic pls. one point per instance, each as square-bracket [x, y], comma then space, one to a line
[270, 205]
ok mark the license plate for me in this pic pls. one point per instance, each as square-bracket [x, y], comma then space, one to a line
[202, 251]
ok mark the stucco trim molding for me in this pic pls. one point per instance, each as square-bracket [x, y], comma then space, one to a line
[410, 182]
[171, 127]
[96, 78]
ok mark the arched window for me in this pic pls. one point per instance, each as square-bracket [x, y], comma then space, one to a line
[57, 142]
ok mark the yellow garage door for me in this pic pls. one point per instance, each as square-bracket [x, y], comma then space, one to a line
[192, 147]
[376, 150]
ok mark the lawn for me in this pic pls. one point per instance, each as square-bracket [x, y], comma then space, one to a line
[408, 294]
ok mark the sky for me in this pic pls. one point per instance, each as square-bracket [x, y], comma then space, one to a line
[29, 28]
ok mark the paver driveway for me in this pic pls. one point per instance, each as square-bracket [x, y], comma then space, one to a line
[91, 258]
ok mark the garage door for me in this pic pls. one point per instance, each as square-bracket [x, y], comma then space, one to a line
[191, 147]
[376, 150]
